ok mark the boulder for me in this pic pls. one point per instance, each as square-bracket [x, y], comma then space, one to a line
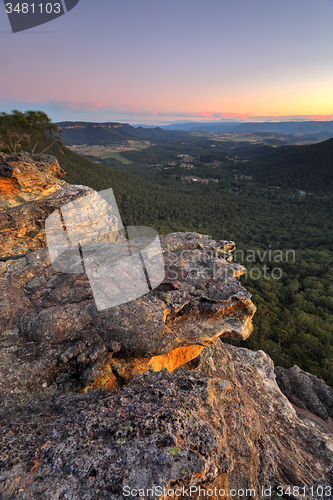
[306, 391]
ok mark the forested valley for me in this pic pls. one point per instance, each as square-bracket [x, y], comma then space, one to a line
[284, 237]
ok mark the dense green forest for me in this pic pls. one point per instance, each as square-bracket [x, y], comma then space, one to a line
[294, 321]
[308, 168]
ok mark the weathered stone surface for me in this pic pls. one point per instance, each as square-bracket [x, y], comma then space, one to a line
[221, 423]
[30, 191]
[48, 314]
[306, 391]
[25, 177]
[22, 227]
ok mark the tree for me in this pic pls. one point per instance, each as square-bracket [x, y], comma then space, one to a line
[27, 131]
[13, 128]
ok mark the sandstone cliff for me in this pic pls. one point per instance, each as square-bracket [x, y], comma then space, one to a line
[30, 190]
[25, 177]
[143, 395]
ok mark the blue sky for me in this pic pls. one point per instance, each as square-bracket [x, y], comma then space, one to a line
[158, 61]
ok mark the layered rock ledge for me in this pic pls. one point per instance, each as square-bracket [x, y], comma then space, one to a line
[54, 338]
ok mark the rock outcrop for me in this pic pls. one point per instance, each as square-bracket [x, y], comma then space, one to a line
[22, 228]
[25, 177]
[100, 404]
[306, 392]
[30, 190]
[54, 338]
[221, 424]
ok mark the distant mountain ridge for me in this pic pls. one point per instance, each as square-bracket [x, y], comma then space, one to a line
[92, 133]
[290, 127]
[109, 132]
[309, 127]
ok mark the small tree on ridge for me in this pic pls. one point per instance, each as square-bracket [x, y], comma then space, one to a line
[25, 131]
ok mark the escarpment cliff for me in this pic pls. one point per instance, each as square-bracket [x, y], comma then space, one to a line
[143, 395]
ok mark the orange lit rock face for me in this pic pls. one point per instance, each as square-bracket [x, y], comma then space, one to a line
[106, 379]
[8, 187]
[121, 371]
[174, 359]
[25, 177]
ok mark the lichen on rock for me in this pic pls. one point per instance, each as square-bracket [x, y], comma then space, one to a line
[220, 422]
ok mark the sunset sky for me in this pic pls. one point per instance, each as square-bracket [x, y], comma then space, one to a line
[161, 61]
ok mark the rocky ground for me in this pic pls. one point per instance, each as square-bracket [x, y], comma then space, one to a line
[219, 422]
[145, 395]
